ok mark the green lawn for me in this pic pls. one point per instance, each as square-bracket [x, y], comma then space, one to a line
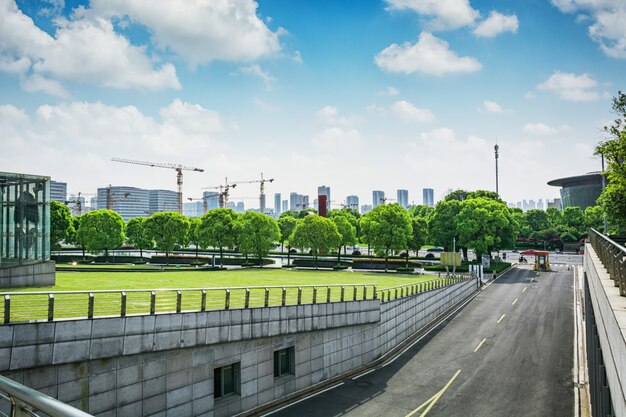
[35, 307]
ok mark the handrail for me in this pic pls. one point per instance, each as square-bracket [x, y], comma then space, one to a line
[613, 257]
[25, 400]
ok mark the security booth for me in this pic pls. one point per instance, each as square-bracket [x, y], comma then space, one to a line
[25, 231]
[542, 260]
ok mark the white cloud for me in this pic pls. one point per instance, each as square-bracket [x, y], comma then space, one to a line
[492, 107]
[437, 136]
[390, 91]
[445, 14]
[330, 115]
[200, 31]
[337, 137]
[572, 87]
[38, 83]
[608, 22]
[85, 49]
[496, 24]
[256, 71]
[544, 129]
[429, 55]
[409, 113]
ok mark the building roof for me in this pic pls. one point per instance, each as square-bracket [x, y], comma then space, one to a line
[588, 178]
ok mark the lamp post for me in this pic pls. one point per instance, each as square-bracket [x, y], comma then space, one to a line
[606, 224]
[496, 148]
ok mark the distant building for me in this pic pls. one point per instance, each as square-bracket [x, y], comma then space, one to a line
[58, 191]
[378, 198]
[212, 199]
[403, 198]
[76, 205]
[93, 203]
[193, 209]
[277, 201]
[556, 203]
[305, 201]
[315, 204]
[540, 204]
[579, 191]
[285, 206]
[324, 190]
[352, 201]
[129, 202]
[162, 200]
[240, 208]
[428, 195]
[366, 208]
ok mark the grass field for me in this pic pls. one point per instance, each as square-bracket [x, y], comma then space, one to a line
[35, 307]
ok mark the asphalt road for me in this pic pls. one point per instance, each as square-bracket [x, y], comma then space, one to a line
[509, 352]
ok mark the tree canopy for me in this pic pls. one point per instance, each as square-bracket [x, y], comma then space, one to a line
[316, 233]
[167, 230]
[389, 228]
[219, 229]
[259, 233]
[101, 230]
[61, 225]
[136, 236]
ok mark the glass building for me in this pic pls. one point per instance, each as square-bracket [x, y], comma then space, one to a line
[579, 191]
[24, 219]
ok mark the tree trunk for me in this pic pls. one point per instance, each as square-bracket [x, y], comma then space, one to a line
[196, 251]
[167, 258]
[338, 255]
[106, 256]
[141, 254]
[221, 256]
[386, 260]
[288, 255]
[465, 253]
[315, 253]
[407, 258]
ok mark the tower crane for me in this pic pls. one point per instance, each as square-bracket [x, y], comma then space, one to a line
[262, 182]
[177, 167]
[385, 199]
[111, 195]
[223, 193]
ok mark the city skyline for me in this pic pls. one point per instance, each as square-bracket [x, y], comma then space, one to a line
[380, 95]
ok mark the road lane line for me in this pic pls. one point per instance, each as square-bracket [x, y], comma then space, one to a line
[302, 399]
[480, 344]
[514, 301]
[524, 290]
[440, 393]
[501, 317]
[365, 373]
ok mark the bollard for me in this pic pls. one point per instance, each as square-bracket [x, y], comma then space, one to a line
[7, 308]
[396, 294]
[267, 297]
[179, 301]
[123, 305]
[50, 307]
[203, 301]
[152, 302]
[90, 306]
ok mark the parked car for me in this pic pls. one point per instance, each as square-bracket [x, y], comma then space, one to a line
[436, 249]
[528, 252]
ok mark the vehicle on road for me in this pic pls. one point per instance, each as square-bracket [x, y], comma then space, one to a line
[435, 249]
[528, 252]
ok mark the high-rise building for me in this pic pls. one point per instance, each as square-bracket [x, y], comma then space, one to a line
[277, 200]
[378, 198]
[428, 195]
[212, 199]
[293, 201]
[366, 208]
[540, 204]
[305, 201]
[285, 206]
[129, 202]
[240, 207]
[58, 191]
[352, 201]
[76, 204]
[403, 198]
[324, 190]
[162, 200]
[193, 209]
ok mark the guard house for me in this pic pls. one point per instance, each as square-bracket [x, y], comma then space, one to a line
[542, 260]
[25, 231]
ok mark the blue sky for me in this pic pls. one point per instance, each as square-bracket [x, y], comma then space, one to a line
[354, 95]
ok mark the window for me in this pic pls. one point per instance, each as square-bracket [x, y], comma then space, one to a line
[284, 362]
[226, 380]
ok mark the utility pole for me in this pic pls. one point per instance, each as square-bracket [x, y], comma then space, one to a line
[606, 224]
[496, 148]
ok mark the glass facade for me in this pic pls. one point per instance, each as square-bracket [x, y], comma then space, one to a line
[24, 219]
[580, 191]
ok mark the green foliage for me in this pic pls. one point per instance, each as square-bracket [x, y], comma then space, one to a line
[194, 231]
[521, 224]
[167, 230]
[286, 224]
[594, 217]
[537, 219]
[419, 234]
[423, 212]
[458, 195]
[484, 225]
[555, 217]
[289, 213]
[305, 212]
[136, 236]
[574, 218]
[345, 228]
[316, 233]
[390, 228]
[219, 229]
[101, 230]
[442, 225]
[259, 234]
[61, 226]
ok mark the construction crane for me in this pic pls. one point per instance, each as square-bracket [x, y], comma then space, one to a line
[111, 195]
[223, 193]
[78, 204]
[262, 182]
[177, 167]
[385, 199]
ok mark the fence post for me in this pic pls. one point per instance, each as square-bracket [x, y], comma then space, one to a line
[50, 307]
[90, 306]
[365, 292]
[343, 290]
[328, 294]
[284, 300]
[314, 295]
[247, 304]
[375, 292]
[123, 308]
[382, 296]
[203, 301]
[354, 294]
[299, 295]
[396, 294]
[179, 301]
[267, 297]
[227, 300]
[7, 308]
[152, 302]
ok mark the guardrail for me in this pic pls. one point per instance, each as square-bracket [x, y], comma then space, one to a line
[613, 257]
[21, 401]
[50, 306]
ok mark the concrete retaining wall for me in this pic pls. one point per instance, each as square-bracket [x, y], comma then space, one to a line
[610, 314]
[34, 275]
[163, 365]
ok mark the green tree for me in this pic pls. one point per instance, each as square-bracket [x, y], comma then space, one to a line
[259, 234]
[347, 231]
[167, 230]
[555, 217]
[194, 232]
[480, 223]
[419, 235]
[521, 224]
[101, 230]
[219, 230]
[72, 237]
[289, 213]
[390, 229]
[306, 212]
[365, 231]
[316, 233]
[594, 217]
[136, 236]
[613, 197]
[442, 225]
[537, 219]
[61, 225]
[574, 219]
[287, 225]
[423, 212]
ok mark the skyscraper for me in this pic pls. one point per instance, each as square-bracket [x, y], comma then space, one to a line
[428, 197]
[285, 206]
[324, 190]
[212, 199]
[58, 191]
[277, 200]
[378, 198]
[352, 201]
[403, 198]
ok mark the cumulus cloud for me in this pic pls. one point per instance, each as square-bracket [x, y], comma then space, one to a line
[544, 129]
[496, 24]
[443, 14]
[572, 87]
[256, 71]
[390, 91]
[492, 107]
[197, 30]
[337, 137]
[429, 55]
[330, 115]
[607, 20]
[38, 83]
[409, 113]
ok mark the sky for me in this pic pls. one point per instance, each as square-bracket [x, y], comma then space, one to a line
[356, 95]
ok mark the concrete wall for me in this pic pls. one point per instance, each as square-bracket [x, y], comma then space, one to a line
[610, 314]
[33, 275]
[163, 365]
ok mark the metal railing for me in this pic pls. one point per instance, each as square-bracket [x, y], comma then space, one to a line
[613, 257]
[50, 306]
[21, 401]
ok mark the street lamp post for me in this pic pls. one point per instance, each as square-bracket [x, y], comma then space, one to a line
[496, 148]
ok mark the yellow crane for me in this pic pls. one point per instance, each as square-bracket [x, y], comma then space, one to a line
[177, 167]
[223, 193]
[262, 182]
